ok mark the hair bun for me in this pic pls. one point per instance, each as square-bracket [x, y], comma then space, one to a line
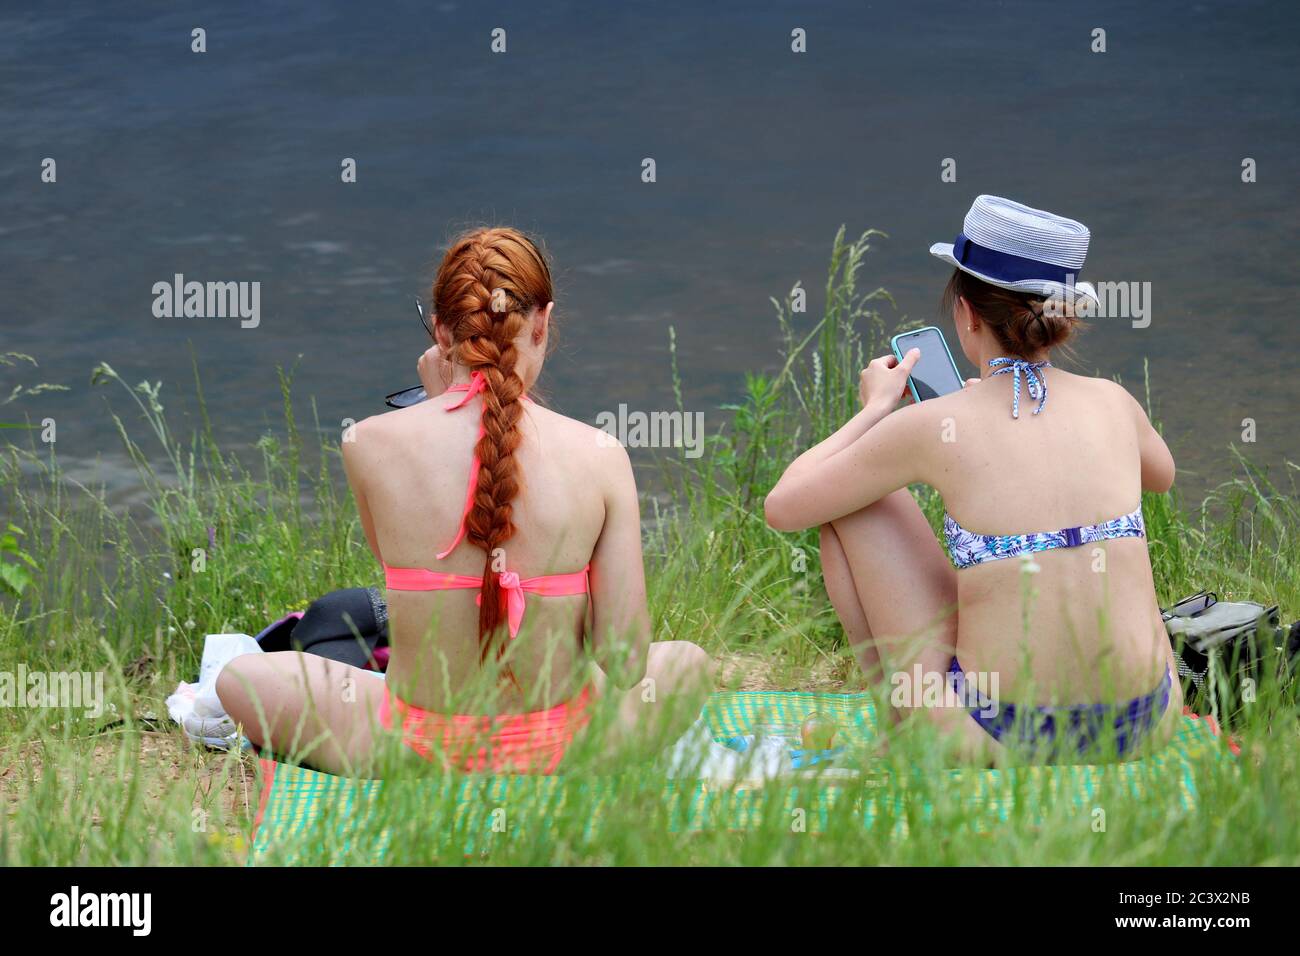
[1048, 322]
[1024, 324]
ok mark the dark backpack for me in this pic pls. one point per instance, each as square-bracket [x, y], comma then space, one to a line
[349, 625]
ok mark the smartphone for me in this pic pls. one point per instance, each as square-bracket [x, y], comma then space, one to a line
[935, 373]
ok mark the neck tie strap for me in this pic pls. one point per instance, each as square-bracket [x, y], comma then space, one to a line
[1035, 380]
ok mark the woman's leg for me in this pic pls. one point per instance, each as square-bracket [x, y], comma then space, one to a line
[300, 706]
[892, 587]
[896, 596]
[842, 590]
[650, 716]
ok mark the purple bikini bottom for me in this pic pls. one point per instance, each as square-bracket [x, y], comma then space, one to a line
[1056, 733]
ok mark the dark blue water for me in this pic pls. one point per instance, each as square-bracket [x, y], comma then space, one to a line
[225, 166]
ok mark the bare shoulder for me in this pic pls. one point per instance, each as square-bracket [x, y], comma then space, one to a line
[370, 436]
[919, 418]
[1111, 391]
[591, 448]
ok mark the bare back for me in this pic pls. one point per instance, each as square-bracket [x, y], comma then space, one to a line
[410, 469]
[1080, 623]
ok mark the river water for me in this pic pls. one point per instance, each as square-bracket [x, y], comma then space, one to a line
[225, 166]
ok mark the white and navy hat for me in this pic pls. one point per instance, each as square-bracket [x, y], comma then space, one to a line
[1026, 250]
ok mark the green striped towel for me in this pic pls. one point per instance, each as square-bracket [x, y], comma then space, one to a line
[307, 816]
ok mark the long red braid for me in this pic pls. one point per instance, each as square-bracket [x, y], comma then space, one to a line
[489, 283]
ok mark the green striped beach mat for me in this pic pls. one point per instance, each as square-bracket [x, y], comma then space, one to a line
[307, 816]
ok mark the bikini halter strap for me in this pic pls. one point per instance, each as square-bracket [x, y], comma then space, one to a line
[1035, 380]
[477, 383]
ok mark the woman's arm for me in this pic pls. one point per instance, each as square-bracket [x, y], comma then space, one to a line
[435, 376]
[621, 631]
[824, 451]
[1157, 461]
[865, 460]
[353, 468]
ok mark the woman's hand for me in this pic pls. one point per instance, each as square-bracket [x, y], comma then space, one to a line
[884, 380]
[435, 371]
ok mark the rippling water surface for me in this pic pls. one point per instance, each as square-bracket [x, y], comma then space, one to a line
[225, 166]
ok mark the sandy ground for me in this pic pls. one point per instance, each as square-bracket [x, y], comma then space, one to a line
[166, 759]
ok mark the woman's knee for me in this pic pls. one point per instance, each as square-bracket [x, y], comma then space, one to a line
[682, 663]
[895, 506]
[230, 686]
[700, 662]
[236, 695]
[237, 685]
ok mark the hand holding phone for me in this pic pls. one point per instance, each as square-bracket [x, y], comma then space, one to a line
[884, 380]
[934, 373]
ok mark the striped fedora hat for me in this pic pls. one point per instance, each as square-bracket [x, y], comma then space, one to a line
[1026, 250]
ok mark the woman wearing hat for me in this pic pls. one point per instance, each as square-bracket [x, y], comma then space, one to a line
[1044, 629]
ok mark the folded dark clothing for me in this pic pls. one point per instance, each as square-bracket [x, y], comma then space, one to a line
[349, 625]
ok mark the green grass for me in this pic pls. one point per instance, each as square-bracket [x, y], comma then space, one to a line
[228, 545]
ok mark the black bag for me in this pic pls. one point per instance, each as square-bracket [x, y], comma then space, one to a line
[349, 625]
[1219, 644]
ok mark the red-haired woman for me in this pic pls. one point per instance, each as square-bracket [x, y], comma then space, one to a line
[516, 604]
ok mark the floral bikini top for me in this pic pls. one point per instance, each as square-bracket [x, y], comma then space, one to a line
[969, 548]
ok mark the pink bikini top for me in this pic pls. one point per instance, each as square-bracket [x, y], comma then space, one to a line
[513, 586]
